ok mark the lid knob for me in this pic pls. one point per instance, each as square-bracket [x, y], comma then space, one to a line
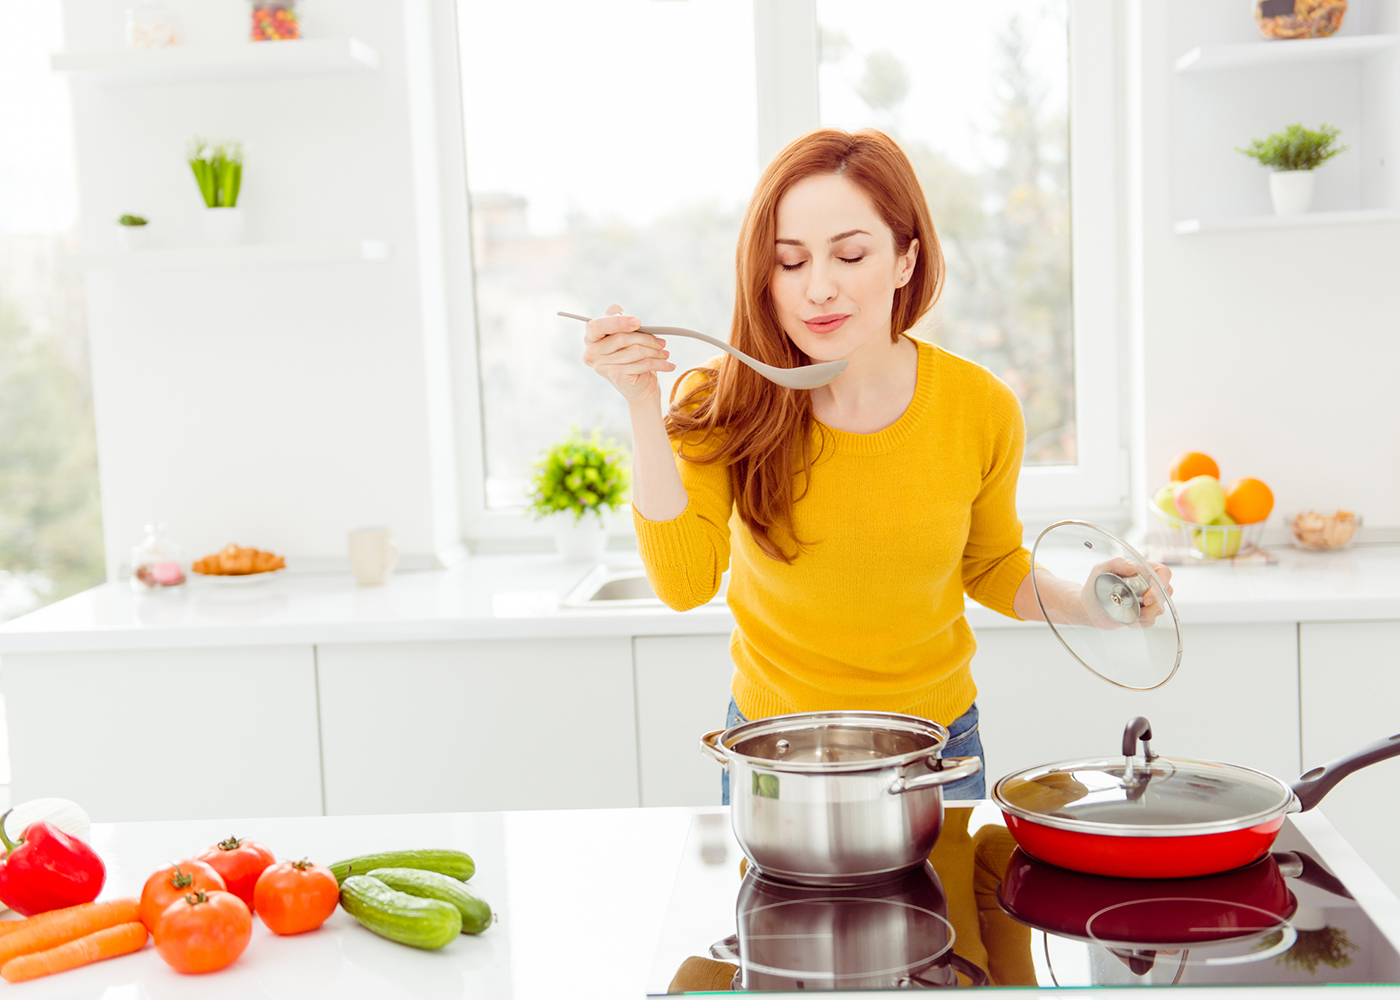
[1120, 597]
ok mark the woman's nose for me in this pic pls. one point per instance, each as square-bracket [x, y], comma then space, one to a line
[821, 285]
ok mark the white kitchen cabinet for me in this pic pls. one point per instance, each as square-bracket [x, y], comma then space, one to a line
[467, 726]
[1235, 698]
[683, 691]
[166, 734]
[1350, 697]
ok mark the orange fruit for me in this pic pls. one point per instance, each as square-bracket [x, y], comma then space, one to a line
[1190, 464]
[1248, 501]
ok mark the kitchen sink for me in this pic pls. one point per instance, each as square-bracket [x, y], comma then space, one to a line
[607, 586]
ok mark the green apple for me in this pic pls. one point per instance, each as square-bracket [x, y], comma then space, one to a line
[1219, 544]
[1163, 501]
[1200, 500]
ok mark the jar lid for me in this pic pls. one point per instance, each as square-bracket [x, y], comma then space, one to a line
[1103, 630]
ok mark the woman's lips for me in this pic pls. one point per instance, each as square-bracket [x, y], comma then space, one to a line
[826, 324]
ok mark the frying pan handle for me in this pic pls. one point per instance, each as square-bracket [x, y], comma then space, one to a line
[947, 770]
[1311, 787]
[1138, 729]
[1309, 871]
[709, 746]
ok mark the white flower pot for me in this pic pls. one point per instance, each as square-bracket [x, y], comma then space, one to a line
[131, 238]
[580, 541]
[223, 227]
[1292, 191]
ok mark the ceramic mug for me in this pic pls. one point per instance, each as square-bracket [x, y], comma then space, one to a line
[372, 555]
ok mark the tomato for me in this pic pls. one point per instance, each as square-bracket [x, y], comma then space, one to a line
[295, 896]
[240, 862]
[173, 882]
[203, 931]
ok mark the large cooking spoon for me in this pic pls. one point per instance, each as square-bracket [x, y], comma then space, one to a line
[806, 377]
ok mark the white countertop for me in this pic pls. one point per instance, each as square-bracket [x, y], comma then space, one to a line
[580, 899]
[518, 596]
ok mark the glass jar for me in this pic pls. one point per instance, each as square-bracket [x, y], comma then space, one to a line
[155, 563]
[151, 26]
[275, 21]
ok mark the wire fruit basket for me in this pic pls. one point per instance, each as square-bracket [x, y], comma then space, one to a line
[1185, 540]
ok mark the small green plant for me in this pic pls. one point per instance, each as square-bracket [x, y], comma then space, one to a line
[579, 475]
[218, 170]
[1295, 148]
[132, 220]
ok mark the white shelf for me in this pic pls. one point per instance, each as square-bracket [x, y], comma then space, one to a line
[243, 255]
[240, 60]
[1267, 52]
[1190, 227]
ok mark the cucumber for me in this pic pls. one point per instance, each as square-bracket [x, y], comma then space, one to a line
[454, 864]
[476, 913]
[411, 920]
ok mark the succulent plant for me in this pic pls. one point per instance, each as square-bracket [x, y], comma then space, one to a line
[132, 220]
[579, 475]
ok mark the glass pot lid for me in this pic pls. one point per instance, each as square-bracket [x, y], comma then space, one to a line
[1105, 629]
[1142, 794]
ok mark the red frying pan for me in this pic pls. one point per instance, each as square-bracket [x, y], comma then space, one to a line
[1160, 817]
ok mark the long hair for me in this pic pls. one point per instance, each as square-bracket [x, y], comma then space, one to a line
[733, 415]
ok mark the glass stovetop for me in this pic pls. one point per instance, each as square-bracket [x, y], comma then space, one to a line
[982, 913]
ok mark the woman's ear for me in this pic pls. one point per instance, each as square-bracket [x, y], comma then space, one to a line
[907, 261]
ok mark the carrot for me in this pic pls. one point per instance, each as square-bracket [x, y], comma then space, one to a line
[110, 942]
[48, 930]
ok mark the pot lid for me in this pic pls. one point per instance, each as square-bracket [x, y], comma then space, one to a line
[1142, 795]
[1103, 631]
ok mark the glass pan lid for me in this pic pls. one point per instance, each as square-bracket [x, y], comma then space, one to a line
[1105, 629]
[1166, 797]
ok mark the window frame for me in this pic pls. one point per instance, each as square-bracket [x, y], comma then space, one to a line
[1097, 487]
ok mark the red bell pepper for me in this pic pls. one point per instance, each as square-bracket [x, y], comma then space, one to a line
[48, 870]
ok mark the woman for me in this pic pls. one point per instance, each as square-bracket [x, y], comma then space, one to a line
[852, 517]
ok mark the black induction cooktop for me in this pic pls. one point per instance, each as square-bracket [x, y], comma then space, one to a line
[982, 913]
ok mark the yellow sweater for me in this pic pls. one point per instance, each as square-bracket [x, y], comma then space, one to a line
[903, 521]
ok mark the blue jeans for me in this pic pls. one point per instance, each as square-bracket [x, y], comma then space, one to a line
[963, 741]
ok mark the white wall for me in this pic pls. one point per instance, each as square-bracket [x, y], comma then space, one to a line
[1274, 351]
[281, 406]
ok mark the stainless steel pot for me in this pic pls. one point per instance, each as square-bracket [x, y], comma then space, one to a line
[836, 798]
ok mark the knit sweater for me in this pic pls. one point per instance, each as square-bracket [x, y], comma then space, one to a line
[901, 523]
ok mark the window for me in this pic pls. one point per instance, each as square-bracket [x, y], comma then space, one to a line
[594, 180]
[50, 519]
[612, 164]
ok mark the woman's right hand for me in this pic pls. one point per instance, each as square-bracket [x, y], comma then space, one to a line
[614, 349]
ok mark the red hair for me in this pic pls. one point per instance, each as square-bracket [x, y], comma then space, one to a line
[762, 431]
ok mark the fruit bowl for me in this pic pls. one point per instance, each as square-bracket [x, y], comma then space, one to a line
[1204, 541]
[1314, 530]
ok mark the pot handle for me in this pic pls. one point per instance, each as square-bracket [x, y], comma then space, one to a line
[709, 746]
[946, 770]
[1311, 787]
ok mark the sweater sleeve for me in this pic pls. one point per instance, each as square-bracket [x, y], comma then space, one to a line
[686, 556]
[994, 561]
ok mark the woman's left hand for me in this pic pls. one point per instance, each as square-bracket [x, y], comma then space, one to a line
[1091, 612]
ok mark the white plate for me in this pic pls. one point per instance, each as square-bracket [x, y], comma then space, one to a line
[242, 580]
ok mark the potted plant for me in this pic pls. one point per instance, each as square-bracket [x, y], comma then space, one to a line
[1294, 154]
[218, 170]
[132, 232]
[575, 480]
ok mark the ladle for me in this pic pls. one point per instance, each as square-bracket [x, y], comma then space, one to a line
[806, 377]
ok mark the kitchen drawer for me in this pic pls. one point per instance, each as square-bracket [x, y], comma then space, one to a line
[1234, 698]
[166, 734]
[1350, 675]
[467, 726]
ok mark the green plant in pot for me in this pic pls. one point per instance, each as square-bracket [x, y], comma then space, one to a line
[1292, 155]
[575, 480]
[132, 232]
[218, 170]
